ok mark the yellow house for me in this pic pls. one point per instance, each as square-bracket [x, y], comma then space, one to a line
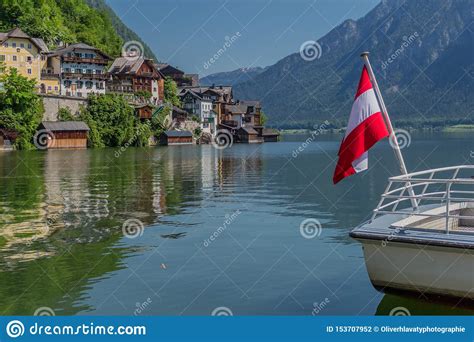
[28, 55]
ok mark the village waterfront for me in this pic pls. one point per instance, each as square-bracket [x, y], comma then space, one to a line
[252, 229]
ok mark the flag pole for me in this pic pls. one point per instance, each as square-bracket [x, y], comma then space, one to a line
[394, 144]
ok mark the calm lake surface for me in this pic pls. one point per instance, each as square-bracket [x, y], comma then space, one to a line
[62, 244]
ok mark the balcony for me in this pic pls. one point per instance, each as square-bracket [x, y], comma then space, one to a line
[78, 75]
[230, 123]
[48, 75]
[85, 60]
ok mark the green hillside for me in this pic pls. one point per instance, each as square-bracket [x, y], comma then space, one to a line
[68, 21]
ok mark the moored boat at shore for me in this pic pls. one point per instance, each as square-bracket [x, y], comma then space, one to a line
[421, 235]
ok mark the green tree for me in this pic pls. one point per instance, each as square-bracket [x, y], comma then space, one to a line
[171, 92]
[65, 114]
[111, 119]
[21, 109]
[263, 118]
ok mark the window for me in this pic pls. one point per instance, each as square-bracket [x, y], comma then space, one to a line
[80, 84]
[14, 58]
[22, 45]
[14, 45]
[29, 71]
[2, 58]
[49, 88]
[89, 85]
[29, 45]
[5, 45]
[28, 59]
[43, 58]
[55, 88]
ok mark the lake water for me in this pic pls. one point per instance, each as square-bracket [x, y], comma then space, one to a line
[64, 214]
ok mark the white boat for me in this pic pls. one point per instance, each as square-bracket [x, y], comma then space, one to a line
[421, 235]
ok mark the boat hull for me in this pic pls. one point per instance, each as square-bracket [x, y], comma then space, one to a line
[421, 268]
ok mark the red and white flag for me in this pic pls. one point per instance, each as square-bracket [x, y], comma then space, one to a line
[366, 127]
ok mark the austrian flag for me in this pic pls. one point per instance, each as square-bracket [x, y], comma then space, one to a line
[366, 127]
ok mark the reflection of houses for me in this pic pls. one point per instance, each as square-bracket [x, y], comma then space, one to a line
[177, 75]
[130, 75]
[80, 69]
[22, 52]
[63, 134]
[200, 105]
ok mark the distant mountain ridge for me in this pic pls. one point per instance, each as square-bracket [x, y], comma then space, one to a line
[231, 77]
[422, 54]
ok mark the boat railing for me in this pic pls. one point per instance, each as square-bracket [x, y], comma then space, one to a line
[450, 187]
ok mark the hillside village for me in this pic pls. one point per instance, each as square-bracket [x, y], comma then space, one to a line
[67, 76]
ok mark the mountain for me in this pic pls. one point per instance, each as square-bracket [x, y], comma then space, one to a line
[122, 30]
[71, 21]
[421, 52]
[231, 77]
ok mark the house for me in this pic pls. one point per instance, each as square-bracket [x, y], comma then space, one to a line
[131, 75]
[219, 95]
[176, 138]
[22, 52]
[80, 68]
[144, 111]
[7, 138]
[178, 75]
[269, 135]
[200, 105]
[248, 135]
[252, 113]
[65, 134]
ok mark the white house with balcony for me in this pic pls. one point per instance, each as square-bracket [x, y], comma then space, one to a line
[200, 105]
[82, 69]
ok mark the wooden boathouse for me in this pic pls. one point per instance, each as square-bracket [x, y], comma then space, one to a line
[65, 134]
[176, 138]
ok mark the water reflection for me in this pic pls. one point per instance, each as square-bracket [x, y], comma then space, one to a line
[413, 304]
[62, 245]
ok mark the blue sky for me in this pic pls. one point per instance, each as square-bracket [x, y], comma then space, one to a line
[188, 33]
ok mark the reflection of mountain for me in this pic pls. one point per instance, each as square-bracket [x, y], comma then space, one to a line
[421, 307]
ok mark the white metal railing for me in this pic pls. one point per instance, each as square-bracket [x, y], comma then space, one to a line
[450, 187]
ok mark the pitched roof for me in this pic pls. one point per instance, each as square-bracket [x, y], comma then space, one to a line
[269, 132]
[124, 65]
[77, 46]
[18, 33]
[55, 126]
[249, 130]
[236, 109]
[41, 44]
[178, 134]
